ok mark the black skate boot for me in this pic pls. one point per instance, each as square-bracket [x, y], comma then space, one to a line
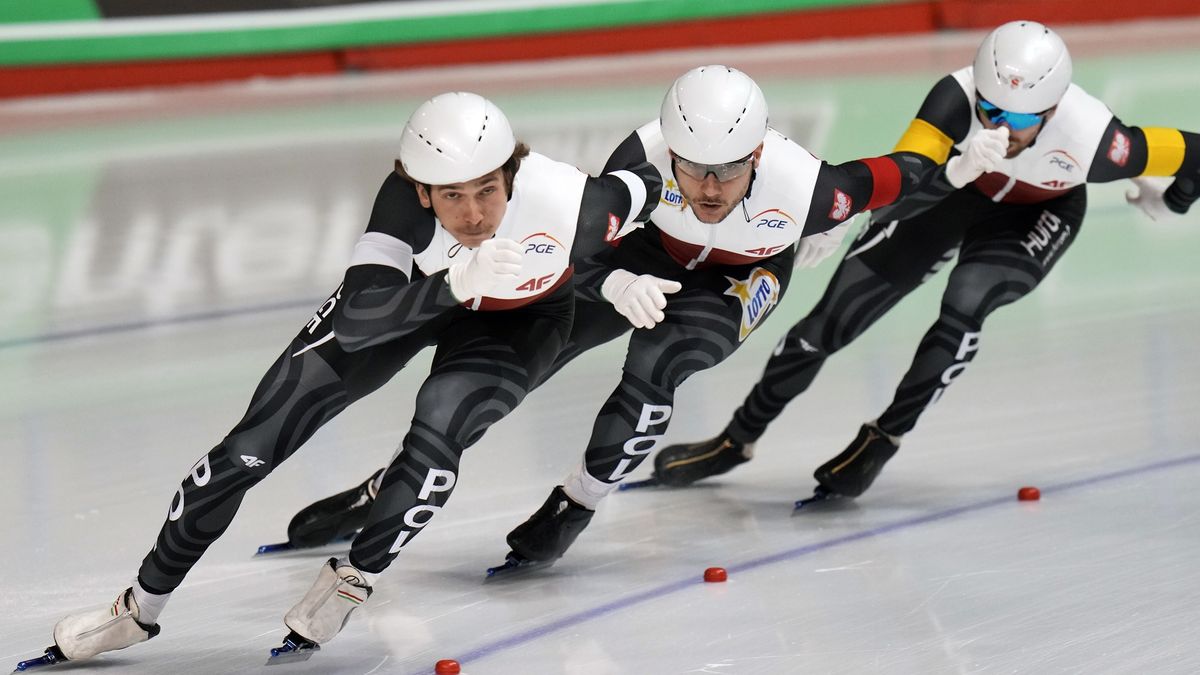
[680, 465]
[547, 534]
[855, 468]
[334, 518]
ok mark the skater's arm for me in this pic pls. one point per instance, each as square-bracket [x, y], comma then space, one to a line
[943, 120]
[1131, 152]
[384, 296]
[613, 205]
[843, 190]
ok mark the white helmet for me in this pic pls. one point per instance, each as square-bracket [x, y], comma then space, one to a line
[455, 137]
[1023, 67]
[713, 115]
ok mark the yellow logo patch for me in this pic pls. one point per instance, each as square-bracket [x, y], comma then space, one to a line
[758, 293]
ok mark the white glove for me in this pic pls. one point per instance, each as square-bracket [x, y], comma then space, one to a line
[1147, 195]
[640, 299]
[814, 248]
[496, 262]
[984, 152]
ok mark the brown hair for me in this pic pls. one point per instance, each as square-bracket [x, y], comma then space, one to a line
[510, 167]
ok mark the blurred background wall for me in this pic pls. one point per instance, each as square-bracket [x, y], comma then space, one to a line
[57, 46]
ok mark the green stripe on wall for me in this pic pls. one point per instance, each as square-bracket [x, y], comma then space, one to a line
[389, 31]
[24, 11]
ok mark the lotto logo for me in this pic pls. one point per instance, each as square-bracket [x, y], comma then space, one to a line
[1118, 152]
[842, 204]
[671, 194]
[758, 294]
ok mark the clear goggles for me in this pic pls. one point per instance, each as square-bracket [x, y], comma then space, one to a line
[1015, 121]
[723, 172]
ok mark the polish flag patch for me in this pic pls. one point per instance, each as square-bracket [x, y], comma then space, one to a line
[614, 226]
[842, 205]
[1118, 152]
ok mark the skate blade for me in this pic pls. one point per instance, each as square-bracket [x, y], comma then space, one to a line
[820, 494]
[636, 484]
[52, 657]
[293, 650]
[514, 566]
[288, 547]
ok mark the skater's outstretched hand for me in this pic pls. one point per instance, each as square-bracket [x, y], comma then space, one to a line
[1147, 195]
[639, 298]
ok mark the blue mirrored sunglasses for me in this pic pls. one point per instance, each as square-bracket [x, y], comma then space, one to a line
[723, 172]
[1015, 121]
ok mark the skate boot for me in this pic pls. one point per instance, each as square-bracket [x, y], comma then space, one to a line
[680, 465]
[325, 609]
[551, 530]
[91, 632]
[855, 468]
[334, 518]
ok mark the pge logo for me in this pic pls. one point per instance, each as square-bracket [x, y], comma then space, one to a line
[772, 219]
[1062, 160]
[541, 246]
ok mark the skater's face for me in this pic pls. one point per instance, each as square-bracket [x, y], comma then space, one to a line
[470, 211]
[1022, 129]
[712, 190]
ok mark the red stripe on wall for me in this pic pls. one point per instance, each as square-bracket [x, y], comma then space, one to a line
[784, 27]
[908, 17]
[843, 22]
[991, 13]
[44, 80]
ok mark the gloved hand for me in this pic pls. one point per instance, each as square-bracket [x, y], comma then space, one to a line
[496, 262]
[640, 299]
[1147, 195]
[814, 248]
[984, 152]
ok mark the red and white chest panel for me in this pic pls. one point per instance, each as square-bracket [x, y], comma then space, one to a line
[542, 216]
[1058, 160]
[764, 224]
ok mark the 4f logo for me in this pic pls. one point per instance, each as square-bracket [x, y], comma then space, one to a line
[536, 283]
[252, 461]
[766, 250]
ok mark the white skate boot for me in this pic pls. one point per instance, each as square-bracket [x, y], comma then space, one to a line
[324, 610]
[91, 632]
